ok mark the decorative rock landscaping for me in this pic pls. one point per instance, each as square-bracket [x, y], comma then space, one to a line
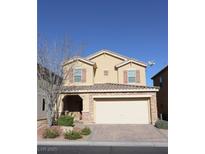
[66, 128]
[63, 129]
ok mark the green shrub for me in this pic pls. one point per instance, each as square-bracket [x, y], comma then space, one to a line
[85, 131]
[65, 120]
[72, 135]
[162, 124]
[55, 122]
[50, 133]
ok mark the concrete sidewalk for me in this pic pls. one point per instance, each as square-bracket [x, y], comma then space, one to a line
[91, 143]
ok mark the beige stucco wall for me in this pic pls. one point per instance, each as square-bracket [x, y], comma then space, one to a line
[89, 106]
[86, 106]
[79, 64]
[106, 62]
[135, 67]
[85, 98]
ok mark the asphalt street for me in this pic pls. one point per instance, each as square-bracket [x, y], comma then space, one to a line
[70, 149]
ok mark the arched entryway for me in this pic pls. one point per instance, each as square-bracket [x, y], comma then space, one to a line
[73, 104]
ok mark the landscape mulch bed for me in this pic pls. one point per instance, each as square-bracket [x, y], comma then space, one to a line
[41, 129]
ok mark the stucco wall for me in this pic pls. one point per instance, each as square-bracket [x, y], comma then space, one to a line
[106, 62]
[88, 112]
[162, 95]
[135, 67]
[40, 113]
[85, 98]
[41, 94]
[78, 64]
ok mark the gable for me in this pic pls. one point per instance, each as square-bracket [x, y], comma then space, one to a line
[77, 64]
[86, 77]
[104, 59]
[130, 62]
[77, 60]
[131, 65]
[107, 52]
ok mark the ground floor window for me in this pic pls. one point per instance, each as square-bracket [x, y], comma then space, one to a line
[43, 105]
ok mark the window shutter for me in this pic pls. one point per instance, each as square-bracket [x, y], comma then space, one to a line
[125, 76]
[138, 76]
[70, 75]
[83, 75]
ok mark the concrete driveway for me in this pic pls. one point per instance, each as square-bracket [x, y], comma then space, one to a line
[128, 133]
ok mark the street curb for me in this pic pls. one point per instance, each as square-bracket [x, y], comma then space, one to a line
[92, 143]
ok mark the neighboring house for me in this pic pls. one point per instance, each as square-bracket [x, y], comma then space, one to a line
[42, 84]
[108, 88]
[161, 80]
[41, 96]
[41, 100]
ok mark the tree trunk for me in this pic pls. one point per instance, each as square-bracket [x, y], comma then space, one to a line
[49, 113]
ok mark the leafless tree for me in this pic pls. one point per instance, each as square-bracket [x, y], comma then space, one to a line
[50, 57]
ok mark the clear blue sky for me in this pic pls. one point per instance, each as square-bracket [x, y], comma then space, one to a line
[134, 28]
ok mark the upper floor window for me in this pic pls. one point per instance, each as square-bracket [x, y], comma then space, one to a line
[77, 75]
[131, 75]
[160, 81]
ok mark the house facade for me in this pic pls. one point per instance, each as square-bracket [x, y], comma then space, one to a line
[41, 96]
[107, 88]
[42, 99]
[161, 80]
[43, 84]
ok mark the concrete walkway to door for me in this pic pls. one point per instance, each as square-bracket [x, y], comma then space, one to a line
[126, 133]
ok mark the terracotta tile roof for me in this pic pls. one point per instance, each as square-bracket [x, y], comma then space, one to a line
[108, 87]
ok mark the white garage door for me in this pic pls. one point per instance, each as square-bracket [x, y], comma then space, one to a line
[122, 111]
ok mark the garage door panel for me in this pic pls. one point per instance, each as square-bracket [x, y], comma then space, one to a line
[122, 112]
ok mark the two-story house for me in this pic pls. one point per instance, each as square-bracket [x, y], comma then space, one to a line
[108, 88]
[161, 80]
[43, 84]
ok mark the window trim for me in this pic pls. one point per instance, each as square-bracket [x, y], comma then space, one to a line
[134, 77]
[81, 73]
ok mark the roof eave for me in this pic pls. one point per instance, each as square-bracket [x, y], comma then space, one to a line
[110, 91]
[129, 61]
[105, 51]
[159, 72]
[80, 59]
